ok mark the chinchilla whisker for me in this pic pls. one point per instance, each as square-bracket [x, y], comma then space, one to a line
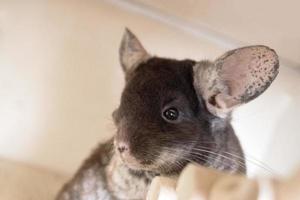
[160, 161]
[241, 164]
[207, 150]
[192, 142]
[170, 151]
[251, 161]
[166, 165]
[203, 157]
[207, 158]
[248, 158]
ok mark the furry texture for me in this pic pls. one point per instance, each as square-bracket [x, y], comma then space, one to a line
[172, 112]
[160, 147]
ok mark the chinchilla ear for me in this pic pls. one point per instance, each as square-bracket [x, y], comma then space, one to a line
[131, 51]
[235, 78]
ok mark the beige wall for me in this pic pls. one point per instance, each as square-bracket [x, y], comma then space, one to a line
[60, 77]
[274, 23]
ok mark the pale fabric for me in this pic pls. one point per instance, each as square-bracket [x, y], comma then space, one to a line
[162, 188]
[199, 183]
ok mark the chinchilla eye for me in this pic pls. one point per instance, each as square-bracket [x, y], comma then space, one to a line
[171, 114]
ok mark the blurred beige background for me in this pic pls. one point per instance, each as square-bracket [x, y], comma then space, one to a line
[60, 78]
[273, 23]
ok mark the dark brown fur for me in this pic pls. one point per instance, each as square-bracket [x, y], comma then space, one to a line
[147, 90]
[147, 144]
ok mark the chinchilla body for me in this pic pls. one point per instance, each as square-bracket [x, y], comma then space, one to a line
[171, 113]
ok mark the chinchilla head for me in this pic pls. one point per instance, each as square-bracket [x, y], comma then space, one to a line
[168, 107]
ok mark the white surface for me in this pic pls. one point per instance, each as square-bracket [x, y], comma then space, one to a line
[60, 80]
[269, 126]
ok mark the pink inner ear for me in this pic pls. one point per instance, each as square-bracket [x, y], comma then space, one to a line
[247, 72]
[224, 101]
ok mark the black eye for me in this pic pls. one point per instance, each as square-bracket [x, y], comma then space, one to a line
[171, 114]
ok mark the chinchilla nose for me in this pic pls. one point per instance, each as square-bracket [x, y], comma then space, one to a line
[122, 147]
